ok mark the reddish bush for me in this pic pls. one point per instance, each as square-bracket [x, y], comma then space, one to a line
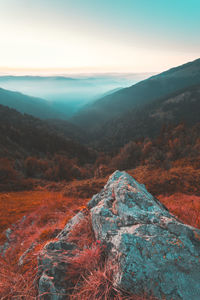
[7, 171]
[128, 157]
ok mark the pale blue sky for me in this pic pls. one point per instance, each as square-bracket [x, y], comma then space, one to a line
[98, 35]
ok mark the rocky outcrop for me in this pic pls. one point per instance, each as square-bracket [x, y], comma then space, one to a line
[152, 251]
[53, 263]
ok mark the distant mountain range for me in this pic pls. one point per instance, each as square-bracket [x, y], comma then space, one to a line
[117, 104]
[66, 94]
[121, 116]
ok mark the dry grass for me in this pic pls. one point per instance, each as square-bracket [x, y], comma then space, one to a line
[98, 285]
[185, 207]
[46, 214]
[82, 233]
[14, 205]
[85, 188]
[84, 262]
[14, 284]
[178, 179]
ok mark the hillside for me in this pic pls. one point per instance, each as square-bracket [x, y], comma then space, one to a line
[146, 91]
[27, 135]
[32, 222]
[30, 105]
[181, 106]
[32, 148]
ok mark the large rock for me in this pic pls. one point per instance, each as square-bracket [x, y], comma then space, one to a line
[152, 251]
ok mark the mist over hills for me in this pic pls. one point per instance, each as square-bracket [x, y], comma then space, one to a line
[68, 94]
[159, 135]
[123, 115]
[114, 105]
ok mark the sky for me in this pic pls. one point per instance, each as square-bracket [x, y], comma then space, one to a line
[77, 36]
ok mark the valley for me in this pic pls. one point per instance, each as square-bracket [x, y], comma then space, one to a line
[51, 167]
[99, 150]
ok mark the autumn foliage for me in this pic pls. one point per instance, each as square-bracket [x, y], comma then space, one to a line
[60, 185]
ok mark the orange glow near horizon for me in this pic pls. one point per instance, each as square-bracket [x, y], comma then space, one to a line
[145, 67]
[62, 71]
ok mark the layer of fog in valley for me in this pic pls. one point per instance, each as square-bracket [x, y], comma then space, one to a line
[69, 93]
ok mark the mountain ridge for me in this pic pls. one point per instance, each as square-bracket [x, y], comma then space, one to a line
[143, 92]
[37, 107]
[149, 119]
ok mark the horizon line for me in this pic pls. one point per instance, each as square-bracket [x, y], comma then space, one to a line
[64, 71]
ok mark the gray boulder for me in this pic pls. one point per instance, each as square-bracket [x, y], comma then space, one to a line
[153, 253]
